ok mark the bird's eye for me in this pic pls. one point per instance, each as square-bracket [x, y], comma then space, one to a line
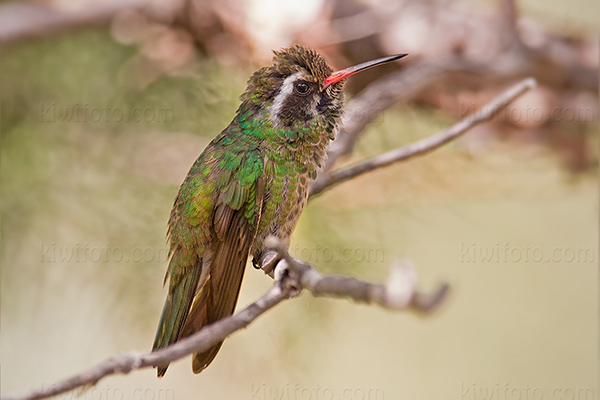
[302, 88]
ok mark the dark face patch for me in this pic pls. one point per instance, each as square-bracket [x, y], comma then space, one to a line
[300, 105]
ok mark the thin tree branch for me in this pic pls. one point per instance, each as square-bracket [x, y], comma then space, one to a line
[368, 105]
[397, 294]
[407, 84]
[200, 341]
[292, 277]
[400, 86]
[328, 180]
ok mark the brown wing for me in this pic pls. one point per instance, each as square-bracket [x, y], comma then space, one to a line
[218, 294]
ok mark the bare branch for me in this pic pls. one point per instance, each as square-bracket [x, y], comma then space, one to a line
[378, 97]
[327, 180]
[407, 84]
[292, 277]
[202, 340]
[399, 293]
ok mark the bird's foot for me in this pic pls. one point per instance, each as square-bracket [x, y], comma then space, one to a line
[275, 266]
[267, 262]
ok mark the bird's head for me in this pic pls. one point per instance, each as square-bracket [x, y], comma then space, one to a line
[300, 87]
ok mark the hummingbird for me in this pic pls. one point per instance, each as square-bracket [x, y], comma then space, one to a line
[252, 181]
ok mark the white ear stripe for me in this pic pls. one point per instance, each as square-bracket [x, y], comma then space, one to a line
[286, 89]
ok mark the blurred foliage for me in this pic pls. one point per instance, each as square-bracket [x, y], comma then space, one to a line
[69, 174]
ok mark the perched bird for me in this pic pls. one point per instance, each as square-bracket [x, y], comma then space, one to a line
[251, 181]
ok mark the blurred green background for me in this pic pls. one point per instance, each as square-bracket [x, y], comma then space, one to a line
[90, 164]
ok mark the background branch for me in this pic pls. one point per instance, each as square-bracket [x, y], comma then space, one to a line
[327, 180]
[378, 97]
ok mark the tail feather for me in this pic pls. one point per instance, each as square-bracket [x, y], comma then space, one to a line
[199, 316]
[203, 360]
[218, 296]
[177, 305]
